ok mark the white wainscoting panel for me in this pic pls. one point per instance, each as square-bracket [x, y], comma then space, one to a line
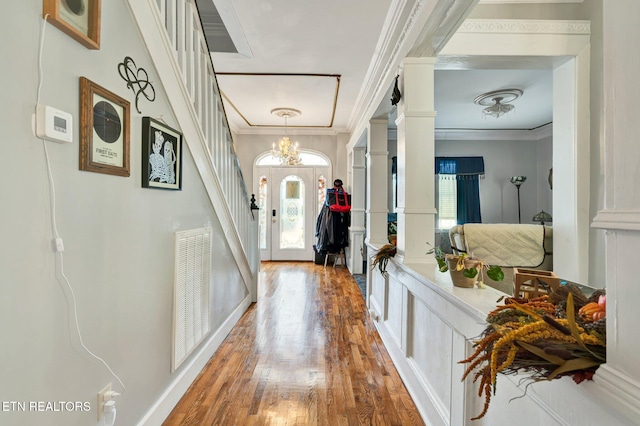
[377, 296]
[431, 342]
[430, 326]
[395, 310]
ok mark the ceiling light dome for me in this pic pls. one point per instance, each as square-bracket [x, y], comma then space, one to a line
[498, 101]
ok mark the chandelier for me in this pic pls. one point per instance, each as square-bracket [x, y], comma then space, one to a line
[498, 101]
[287, 151]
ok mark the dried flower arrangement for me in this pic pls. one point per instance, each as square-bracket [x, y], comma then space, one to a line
[545, 337]
[382, 256]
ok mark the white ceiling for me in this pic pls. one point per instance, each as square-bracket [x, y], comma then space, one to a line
[314, 56]
[455, 91]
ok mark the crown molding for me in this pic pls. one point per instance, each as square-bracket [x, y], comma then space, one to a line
[408, 22]
[388, 54]
[396, 39]
[290, 132]
[527, 26]
[495, 134]
[485, 135]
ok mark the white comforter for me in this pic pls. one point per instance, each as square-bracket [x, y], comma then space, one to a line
[509, 245]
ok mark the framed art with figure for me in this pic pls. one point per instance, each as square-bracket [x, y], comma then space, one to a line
[104, 130]
[79, 19]
[161, 155]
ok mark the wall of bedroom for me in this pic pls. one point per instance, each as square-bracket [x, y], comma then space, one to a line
[503, 159]
[118, 237]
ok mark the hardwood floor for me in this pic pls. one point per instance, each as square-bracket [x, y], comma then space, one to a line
[305, 354]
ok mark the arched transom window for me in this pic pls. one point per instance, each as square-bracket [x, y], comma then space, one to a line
[308, 159]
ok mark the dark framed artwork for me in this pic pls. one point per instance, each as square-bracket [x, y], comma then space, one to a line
[161, 155]
[104, 130]
[79, 19]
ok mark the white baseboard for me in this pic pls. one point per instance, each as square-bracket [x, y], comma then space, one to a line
[170, 397]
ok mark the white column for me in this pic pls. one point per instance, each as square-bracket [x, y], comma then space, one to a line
[416, 140]
[356, 231]
[619, 378]
[571, 166]
[377, 174]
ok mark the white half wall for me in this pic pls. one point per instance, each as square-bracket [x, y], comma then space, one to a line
[428, 325]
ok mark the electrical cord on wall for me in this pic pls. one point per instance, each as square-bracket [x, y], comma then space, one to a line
[109, 413]
[57, 240]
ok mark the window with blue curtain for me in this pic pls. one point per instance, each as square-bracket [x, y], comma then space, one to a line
[467, 172]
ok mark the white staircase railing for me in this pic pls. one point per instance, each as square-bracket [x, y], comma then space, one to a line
[174, 37]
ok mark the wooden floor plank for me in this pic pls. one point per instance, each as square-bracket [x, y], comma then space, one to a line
[305, 354]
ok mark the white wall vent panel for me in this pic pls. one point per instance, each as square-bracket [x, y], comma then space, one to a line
[191, 303]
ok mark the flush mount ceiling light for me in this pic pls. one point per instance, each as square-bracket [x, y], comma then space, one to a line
[498, 101]
[287, 151]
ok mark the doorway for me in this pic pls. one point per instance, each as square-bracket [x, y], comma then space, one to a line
[290, 199]
[292, 214]
[547, 46]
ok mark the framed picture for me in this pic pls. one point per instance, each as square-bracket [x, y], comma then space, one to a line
[79, 19]
[161, 155]
[104, 130]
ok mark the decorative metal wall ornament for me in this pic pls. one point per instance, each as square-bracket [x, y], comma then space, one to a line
[137, 77]
[396, 95]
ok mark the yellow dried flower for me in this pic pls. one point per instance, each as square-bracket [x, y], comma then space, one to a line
[510, 357]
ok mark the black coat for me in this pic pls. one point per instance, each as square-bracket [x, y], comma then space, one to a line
[332, 231]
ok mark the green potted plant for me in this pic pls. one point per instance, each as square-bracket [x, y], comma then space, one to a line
[465, 270]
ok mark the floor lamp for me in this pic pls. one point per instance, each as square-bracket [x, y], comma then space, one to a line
[517, 181]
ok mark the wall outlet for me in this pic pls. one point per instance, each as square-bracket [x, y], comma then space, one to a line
[101, 400]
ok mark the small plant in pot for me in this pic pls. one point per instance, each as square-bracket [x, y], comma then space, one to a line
[465, 270]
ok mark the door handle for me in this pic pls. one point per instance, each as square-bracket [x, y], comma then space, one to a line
[273, 212]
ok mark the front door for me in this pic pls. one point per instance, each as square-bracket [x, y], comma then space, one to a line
[292, 213]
